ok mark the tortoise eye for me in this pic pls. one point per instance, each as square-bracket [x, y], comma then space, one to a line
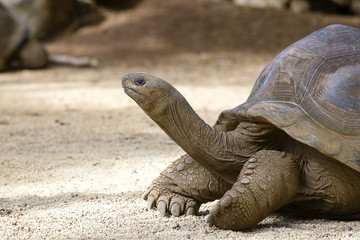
[139, 82]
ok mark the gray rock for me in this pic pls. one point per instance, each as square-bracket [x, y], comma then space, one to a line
[299, 6]
[262, 3]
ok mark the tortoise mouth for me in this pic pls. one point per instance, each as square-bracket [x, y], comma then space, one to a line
[132, 92]
[128, 86]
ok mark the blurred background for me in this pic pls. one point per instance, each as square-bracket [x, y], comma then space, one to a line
[76, 153]
[143, 31]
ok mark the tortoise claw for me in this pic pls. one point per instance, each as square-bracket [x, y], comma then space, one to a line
[151, 202]
[146, 194]
[190, 211]
[151, 199]
[161, 207]
[170, 203]
[213, 212]
[176, 210]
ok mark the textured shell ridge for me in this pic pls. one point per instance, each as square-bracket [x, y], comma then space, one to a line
[310, 81]
[305, 49]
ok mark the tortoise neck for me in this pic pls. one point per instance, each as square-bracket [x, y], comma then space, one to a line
[211, 148]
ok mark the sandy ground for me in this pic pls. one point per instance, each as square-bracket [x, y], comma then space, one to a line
[76, 153]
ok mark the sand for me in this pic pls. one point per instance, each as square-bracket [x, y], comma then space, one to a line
[76, 153]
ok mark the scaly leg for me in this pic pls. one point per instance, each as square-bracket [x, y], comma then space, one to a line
[183, 186]
[267, 181]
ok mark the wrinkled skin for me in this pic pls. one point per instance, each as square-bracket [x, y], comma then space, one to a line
[254, 169]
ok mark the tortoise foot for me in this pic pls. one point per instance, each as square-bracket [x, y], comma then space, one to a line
[268, 181]
[170, 203]
[228, 213]
[183, 186]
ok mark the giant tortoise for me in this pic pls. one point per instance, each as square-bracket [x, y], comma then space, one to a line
[294, 145]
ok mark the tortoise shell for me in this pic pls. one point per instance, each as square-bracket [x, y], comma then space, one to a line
[311, 90]
[12, 35]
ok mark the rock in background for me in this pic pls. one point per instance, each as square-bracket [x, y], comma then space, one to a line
[117, 4]
[299, 6]
[12, 36]
[48, 18]
[262, 3]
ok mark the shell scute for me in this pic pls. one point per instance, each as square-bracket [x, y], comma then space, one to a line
[283, 113]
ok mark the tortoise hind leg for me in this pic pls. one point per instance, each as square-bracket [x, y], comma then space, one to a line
[268, 180]
[183, 186]
[329, 189]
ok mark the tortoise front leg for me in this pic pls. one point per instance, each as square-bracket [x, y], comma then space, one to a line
[268, 181]
[183, 186]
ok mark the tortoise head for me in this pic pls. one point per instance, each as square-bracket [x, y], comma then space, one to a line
[147, 91]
